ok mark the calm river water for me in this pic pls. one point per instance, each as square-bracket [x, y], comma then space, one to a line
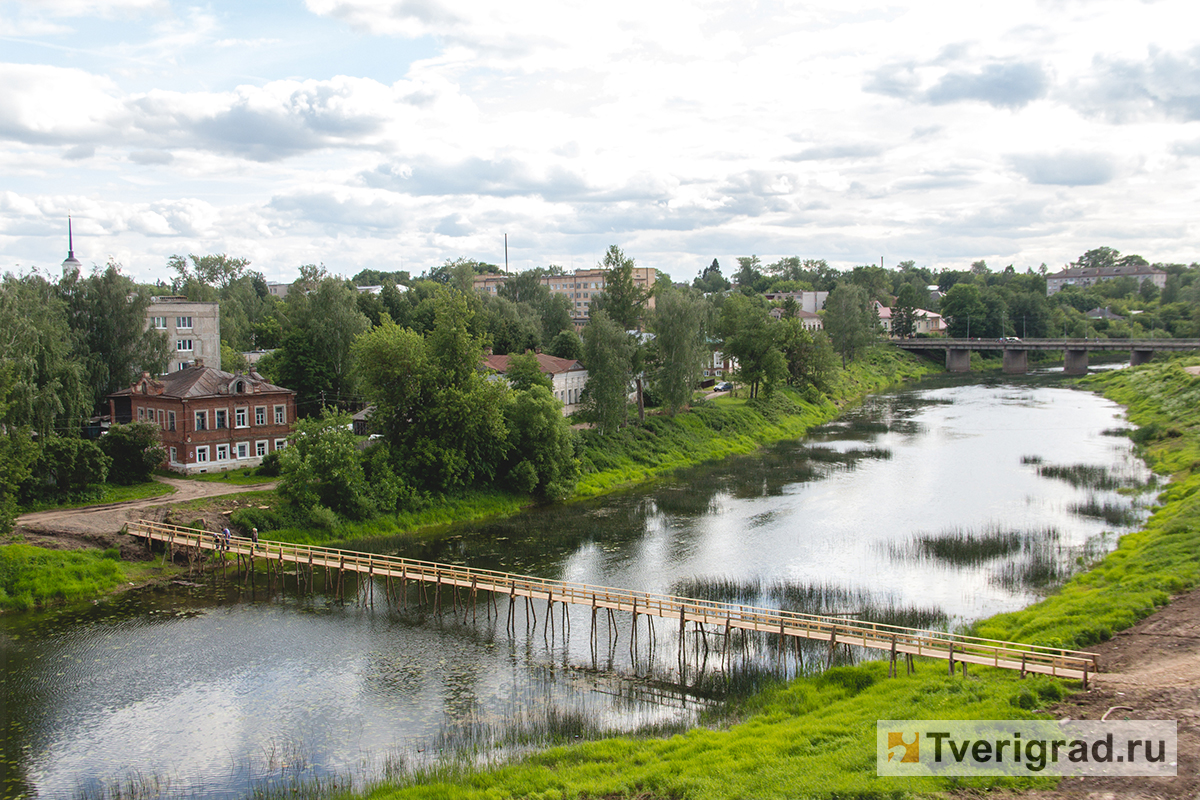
[931, 506]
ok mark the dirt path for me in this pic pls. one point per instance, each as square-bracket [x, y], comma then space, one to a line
[100, 526]
[1152, 669]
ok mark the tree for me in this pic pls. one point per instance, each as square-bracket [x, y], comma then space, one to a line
[18, 452]
[711, 280]
[106, 312]
[134, 451]
[809, 356]
[608, 356]
[47, 387]
[541, 456]
[524, 372]
[679, 347]
[964, 310]
[66, 466]
[850, 320]
[433, 403]
[748, 336]
[321, 466]
[622, 299]
[314, 356]
[750, 279]
[904, 312]
[1100, 257]
[566, 344]
[214, 270]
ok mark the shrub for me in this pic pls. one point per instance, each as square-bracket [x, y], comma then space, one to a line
[134, 450]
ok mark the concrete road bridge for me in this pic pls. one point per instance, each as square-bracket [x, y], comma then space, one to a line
[1016, 351]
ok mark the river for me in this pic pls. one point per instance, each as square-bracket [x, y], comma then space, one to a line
[933, 506]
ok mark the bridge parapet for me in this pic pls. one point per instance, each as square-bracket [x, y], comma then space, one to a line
[1075, 351]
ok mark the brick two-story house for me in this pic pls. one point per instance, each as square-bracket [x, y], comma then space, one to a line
[210, 420]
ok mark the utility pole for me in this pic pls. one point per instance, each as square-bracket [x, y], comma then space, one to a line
[506, 254]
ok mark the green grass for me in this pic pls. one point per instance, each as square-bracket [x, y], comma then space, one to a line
[428, 521]
[815, 736]
[1148, 566]
[104, 494]
[33, 576]
[810, 738]
[729, 426]
[237, 477]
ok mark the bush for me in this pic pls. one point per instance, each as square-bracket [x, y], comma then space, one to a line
[66, 467]
[134, 450]
[270, 465]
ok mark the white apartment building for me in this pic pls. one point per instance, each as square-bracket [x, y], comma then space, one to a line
[193, 330]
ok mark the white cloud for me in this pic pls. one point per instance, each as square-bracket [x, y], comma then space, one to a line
[1065, 169]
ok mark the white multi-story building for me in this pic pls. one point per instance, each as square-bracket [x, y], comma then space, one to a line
[193, 330]
[1084, 277]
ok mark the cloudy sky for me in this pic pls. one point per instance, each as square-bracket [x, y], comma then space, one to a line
[396, 134]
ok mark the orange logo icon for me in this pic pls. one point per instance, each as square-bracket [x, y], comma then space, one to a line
[906, 752]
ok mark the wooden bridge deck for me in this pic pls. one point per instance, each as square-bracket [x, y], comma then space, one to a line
[1071, 664]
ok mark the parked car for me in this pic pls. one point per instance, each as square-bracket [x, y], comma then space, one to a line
[723, 386]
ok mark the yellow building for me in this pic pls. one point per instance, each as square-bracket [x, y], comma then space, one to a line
[579, 287]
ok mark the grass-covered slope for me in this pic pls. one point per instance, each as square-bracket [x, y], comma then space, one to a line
[728, 426]
[33, 576]
[1150, 565]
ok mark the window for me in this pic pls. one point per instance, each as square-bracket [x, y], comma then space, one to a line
[280, 444]
[170, 420]
[243, 449]
[260, 448]
[222, 452]
[201, 420]
[141, 414]
[239, 417]
[202, 455]
[158, 322]
[280, 415]
[183, 322]
[260, 415]
[174, 456]
[183, 345]
[159, 414]
[222, 419]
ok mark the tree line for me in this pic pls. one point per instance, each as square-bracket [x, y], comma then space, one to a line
[413, 350]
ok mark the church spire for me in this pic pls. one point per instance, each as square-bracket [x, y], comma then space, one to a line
[70, 262]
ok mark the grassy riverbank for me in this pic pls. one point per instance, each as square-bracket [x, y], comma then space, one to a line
[1148, 566]
[731, 426]
[815, 737]
[34, 576]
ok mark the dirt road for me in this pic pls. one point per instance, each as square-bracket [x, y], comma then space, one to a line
[99, 526]
[1152, 670]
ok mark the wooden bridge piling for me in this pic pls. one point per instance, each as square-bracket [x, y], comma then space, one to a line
[766, 625]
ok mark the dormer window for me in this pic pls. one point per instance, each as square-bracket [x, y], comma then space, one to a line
[239, 387]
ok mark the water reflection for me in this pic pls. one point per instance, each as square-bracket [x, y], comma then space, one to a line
[926, 507]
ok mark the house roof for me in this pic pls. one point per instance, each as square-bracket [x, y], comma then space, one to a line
[195, 381]
[550, 365]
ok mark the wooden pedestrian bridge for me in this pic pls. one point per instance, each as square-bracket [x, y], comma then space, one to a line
[396, 573]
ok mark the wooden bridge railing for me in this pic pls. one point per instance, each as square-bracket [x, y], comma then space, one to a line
[1058, 662]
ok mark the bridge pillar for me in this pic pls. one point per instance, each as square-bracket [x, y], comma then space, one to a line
[1075, 362]
[1016, 362]
[1137, 357]
[958, 360]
